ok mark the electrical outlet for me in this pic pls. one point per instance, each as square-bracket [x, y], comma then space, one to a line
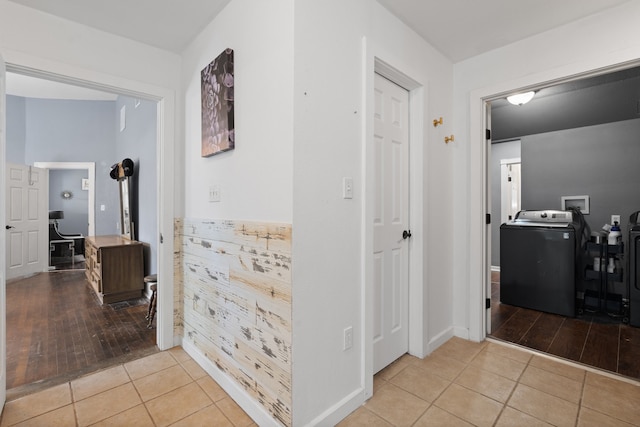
[614, 219]
[348, 338]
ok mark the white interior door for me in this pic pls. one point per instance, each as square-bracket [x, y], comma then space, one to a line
[509, 188]
[3, 298]
[26, 221]
[390, 220]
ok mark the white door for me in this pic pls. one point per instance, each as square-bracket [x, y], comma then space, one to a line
[26, 221]
[509, 188]
[390, 221]
[3, 299]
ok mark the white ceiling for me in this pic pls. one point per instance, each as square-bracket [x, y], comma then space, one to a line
[459, 29]
[167, 24]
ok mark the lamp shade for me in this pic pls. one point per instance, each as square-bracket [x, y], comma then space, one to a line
[521, 98]
[56, 214]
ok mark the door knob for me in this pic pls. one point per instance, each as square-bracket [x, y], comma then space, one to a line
[7, 227]
[406, 234]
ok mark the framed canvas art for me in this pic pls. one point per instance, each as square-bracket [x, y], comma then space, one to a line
[217, 87]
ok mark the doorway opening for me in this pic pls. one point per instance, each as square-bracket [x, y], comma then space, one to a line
[546, 137]
[76, 281]
[70, 182]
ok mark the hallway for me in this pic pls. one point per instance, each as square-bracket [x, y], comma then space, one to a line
[461, 384]
[491, 384]
[166, 388]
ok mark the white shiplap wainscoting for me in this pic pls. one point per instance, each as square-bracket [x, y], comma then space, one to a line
[233, 303]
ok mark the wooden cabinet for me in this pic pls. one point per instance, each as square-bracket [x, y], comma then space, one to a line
[114, 267]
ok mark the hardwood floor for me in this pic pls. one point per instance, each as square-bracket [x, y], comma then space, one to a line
[595, 340]
[66, 263]
[57, 329]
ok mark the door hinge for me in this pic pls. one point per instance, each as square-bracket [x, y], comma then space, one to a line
[161, 238]
[487, 218]
[487, 303]
[487, 134]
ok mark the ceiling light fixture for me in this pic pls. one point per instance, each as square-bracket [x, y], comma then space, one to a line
[521, 98]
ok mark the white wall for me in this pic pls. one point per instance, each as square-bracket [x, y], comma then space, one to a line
[596, 42]
[255, 178]
[255, 181]
[330, 100]
[294, 143]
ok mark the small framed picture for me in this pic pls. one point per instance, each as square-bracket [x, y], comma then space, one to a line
[578, 202]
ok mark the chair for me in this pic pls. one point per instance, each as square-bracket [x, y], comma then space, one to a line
[63, 245]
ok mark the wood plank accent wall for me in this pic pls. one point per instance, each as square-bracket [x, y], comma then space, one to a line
[233, 303]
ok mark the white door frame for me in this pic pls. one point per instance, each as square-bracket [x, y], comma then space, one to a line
[479, 257]
[418, 329]
[3, 243]
[90, 167]
[165, 146]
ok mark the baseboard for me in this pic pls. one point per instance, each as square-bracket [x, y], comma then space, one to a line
[461, 332]
[440, 339]
[336, 413]
[257, 413]
[177, 341]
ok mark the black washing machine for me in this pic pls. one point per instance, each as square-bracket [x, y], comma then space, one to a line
[538, 253]
[634, 269]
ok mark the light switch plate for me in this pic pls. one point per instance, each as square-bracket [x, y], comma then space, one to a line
[214, 193]
[348, 338]
[347, 187]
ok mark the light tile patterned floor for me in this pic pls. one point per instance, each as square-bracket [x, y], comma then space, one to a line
[167, 388]
[489, 384]
[460, 384]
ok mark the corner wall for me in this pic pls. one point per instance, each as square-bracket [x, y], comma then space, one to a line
[593, 43]
[244, 341]
[329, 276]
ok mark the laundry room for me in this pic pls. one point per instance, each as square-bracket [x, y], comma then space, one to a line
[574, 146]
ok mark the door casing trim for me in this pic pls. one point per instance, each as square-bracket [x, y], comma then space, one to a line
[375, 61]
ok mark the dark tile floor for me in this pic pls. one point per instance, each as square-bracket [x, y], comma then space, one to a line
[595, 340]
[57, 328]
